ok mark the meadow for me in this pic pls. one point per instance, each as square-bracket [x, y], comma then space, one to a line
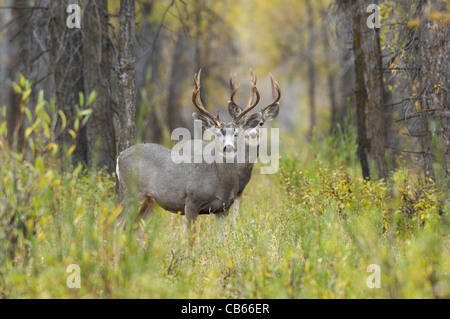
[309, 231]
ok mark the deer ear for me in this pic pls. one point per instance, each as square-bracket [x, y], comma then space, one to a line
[252, 121]
[271, 112]
[206, 121]
[234, 109]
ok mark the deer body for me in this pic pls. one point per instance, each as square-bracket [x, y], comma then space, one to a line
[244, 170]
[192, 188]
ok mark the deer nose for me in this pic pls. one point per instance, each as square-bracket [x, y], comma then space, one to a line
[228, 148]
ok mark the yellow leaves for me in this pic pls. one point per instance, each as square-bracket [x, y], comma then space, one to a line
[117, 210]
[76, 124]
[414, 23]
[30, 223]
[92, 96]
[28, 131]
[71, 149]
[17, 89]
[63, 120]
[22, 80]
[26, 94]
[78, 215]
[39, 164]
[22, 88]
[439, 17]
[73, 134]
[268, 275]
[55, 182]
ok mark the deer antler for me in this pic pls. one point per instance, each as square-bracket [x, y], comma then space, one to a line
[198, 102]
[275, 90]
[233, 88]
[251, 103]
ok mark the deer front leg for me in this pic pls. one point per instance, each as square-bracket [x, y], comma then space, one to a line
[191, 211]
[221, 219]
[235, 211]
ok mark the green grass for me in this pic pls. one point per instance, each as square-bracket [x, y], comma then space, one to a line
[308, 231]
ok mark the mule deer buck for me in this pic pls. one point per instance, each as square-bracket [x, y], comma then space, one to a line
[193, 188]
[244, 169]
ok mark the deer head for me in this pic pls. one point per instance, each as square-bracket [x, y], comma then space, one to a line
[242, 121]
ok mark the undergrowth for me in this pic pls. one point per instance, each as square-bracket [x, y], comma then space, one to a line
[309, 231]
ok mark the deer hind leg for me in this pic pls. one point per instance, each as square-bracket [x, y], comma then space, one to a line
[146, 211]
[121, 219]
[127, 203]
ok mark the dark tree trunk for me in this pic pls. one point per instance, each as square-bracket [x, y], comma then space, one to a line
[333, 102]
[434, 98]
[18, 57]
[125, 74]
[150, 40]
[370, 93]
[178, 74]
[361, 94]
[330, 81]
[373, 77]
[201, 46]
[311, 67]
[68, 72]
[346, 77]
[96, 64]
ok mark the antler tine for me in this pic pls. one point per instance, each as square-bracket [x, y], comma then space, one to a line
[275, 90]
[198, 102]
[251, 105]
[233, 88]
[254, 91]
[275, 87]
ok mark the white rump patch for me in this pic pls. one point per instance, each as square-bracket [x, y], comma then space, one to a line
[117, 167]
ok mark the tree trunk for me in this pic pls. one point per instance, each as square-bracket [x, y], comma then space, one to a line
[178, 74]
[18, 59]
[125, 74]
[361, 94]
[346, 99]
[333, 103]
[68, 72]
[330, 79]
[151, 42]
[371, 101]
[311, 67]
[373, 77]
[434, 97]
[100, 138]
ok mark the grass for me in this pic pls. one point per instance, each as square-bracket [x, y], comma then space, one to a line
[309, 231]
